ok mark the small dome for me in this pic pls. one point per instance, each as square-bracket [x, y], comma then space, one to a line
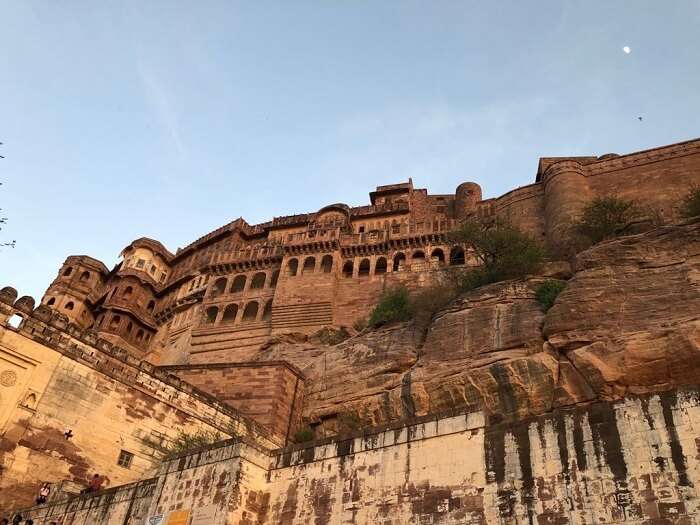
[8, 295]
[608, 156]
[25, 304]
[43, 313]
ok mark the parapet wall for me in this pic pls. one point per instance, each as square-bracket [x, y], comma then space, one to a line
[72, 405]
[634, 461]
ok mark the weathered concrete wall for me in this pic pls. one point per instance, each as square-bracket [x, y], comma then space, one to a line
[634, 461]
[51, 383]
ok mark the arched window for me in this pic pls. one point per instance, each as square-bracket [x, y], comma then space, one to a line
[438, 256]
[273, 279]
[151, 306]
[456, 256]
[211, 314]
[219, 286]
[380, 265]
[418, 256]
[139, 335]
[238, 284]
[127, 292]
[114, 323]
[250, 312]
[399, 261]
[258, 281]
[67, 271]
[347, 269]
[363, 270]
[230, 313]
[51, 301]
[85, 276]
[129, 327]
[327, 263]
[309, 265]
[69, 305]
[292, 267]
[267, 311]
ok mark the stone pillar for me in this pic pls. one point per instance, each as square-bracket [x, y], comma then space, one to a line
[566, 193]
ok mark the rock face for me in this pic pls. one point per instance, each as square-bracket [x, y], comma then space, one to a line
[630, 319]
[627, 323]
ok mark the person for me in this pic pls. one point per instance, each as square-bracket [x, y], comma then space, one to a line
[29, 522]
[17, 518]
[43, 494]
[5, 521]
[95, 483]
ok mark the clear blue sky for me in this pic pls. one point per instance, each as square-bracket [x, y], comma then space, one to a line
[169, 119]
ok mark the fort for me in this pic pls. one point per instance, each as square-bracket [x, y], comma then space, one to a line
[587, 413]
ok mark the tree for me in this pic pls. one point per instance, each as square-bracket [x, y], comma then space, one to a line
[607, 217]
[503, 250]
[690, 207]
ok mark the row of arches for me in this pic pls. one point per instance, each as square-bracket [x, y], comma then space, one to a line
[399, 261]
[124, 327]
[234, 313]
[84, 277]
[127, 293]
[309, 265]
[238, 284]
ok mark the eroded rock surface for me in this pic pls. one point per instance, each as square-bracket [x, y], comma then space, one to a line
[628, 322]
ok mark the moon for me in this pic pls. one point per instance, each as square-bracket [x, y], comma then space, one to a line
[627, 50]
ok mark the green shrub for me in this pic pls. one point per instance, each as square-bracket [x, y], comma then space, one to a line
[184, 442]
[503, 251]
[690, 207]
[303, 435]
[331, 336]
[394, 305]
[426, 302]
[547, 293]
[606, 218]
[360, 324]
[349, 421]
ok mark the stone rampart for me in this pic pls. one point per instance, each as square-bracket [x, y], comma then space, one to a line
[634, 461]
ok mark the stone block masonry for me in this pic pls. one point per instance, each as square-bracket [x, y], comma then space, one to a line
[73, 405]
[271, 393]
[226, 295]
[634, 461]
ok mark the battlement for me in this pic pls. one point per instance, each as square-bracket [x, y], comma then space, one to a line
[53, 330]
[340, 255]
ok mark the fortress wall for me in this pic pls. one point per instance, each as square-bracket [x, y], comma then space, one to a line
[649, 179]
[524, 208]
[52, 381]
[633, 461]
[215, 486]
[270, 393]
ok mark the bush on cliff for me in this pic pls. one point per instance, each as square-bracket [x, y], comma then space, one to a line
[184, 442]
[394, 305]
[690, 207]
[547, 293]
[503, 251]
[605, 218]
[303, 435]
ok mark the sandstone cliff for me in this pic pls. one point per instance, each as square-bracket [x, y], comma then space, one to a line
[627, 322]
